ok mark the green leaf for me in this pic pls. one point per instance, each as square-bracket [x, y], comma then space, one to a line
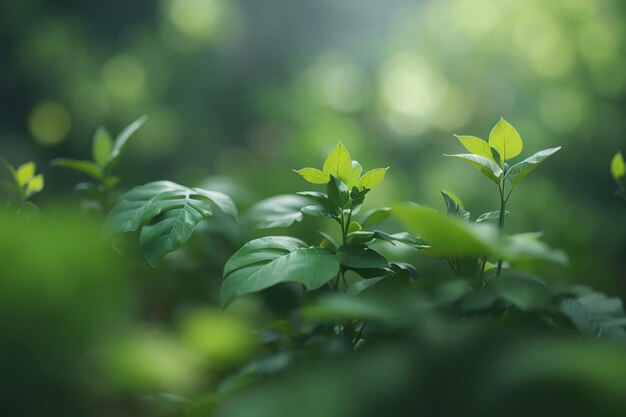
[375, 216]
[122, 140]
[339, 163]
[35, 185]
[505, 139]
[360, 256]
[489, 168]
[618, 167]
[167, 214]
[355, 174]
[528, 165]
[86, 167]
[25, 173]
[523, 291]
[337, 192]
[278, 211]
[265, 262]
[491, 216]
[313, 175]
[594, 315]
[372, 178]
[102, 147]
[476, 146]
[454, 205]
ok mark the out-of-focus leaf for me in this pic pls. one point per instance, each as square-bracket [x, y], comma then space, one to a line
[491, 216]
[102, 147]
[86, 167]
[123, 139]
[35, 185]
[594, 315]
[24, 173]
[279, 211]
[265, 262]
[375, 216]
[618, 167]
[522, 291]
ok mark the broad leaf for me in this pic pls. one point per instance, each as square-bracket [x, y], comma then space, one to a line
[86, 167]
[618, 167]
[123, 139]
[102, 147]
[355, 174]
[523, 291]
[375, 216]
[313, 175]
[337, 192]
[528, 165]
[167, 214]
[339, 163]
[489, 168]
[265, 262]
[475, 145]
[505, 139]
[278, 211]
[372, 178]
[360, 256]
[595, 315]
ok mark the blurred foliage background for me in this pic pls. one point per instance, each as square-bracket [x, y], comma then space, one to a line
[238, 93]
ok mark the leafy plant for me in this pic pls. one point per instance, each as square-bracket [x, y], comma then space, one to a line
[25, 182]
[106, 154]
[490, 158]
[265, 262]
[166, 215]
[618, 171]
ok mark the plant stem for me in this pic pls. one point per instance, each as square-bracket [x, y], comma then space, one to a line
[501, 223]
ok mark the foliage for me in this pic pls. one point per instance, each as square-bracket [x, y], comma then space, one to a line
[618, 171]
[24, 183]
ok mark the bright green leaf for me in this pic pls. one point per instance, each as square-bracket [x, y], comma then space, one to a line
[313, 175]
[505, 139]
[35, 185]
[25, 173]
[102, 147]
[487, 166]
[475, 145]
[355, 174]
[372, 178]
[528, 165]
[339, 163]
[618, 167]
[265, 262]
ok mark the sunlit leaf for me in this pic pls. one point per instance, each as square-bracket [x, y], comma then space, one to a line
[339, 163]
[505, 139]
[528, 165]
[265, 262]
[618, 167]
[24, 173]
[475, 145]
[355, 174]
[372, 178]
[35, 185]
[313, 175]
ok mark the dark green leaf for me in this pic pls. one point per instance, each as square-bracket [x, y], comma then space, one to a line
[360, 256]
[337, 192]
[122, 141]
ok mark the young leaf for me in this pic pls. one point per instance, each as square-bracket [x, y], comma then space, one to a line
[618, 167]
[490, 216]
[355, 174]
[528, 165]
[86, 167]
[313, 175]
[487, 166]
[123, 139]
[265, 262]
[339, 163]
[25, 173]
[102, 147]
[505, 139]
[35, 185]
[372, 178]
[454, 205]
[475, 145]
[337, 192]
[167, 214]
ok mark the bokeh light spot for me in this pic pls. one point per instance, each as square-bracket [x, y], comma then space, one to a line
[49, 123]
[197, 19]
[124, 76]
